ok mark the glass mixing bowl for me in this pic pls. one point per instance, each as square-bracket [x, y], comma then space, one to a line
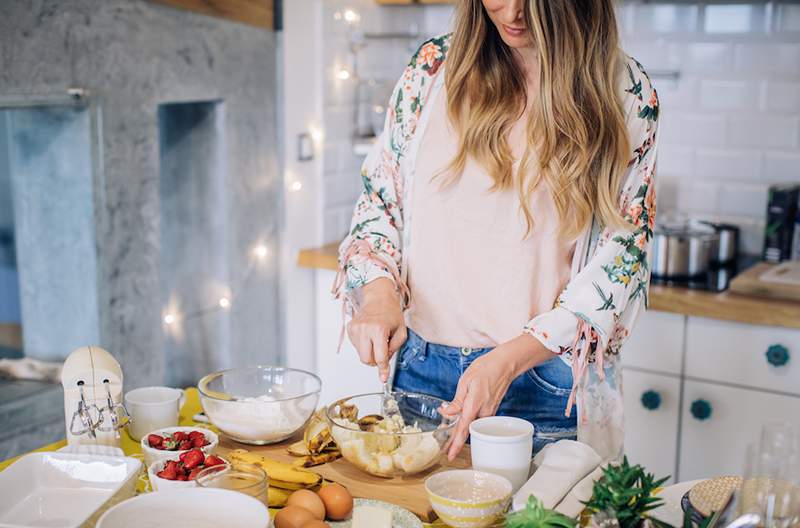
[259, 405]
[390, 448]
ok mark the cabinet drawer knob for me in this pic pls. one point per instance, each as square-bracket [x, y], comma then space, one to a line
[651, 400]
[701, 409]
[777, 355]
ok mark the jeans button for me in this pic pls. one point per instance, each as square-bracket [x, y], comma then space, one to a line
[465, 351]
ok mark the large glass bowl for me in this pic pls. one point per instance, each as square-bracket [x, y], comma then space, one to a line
[415, 449]
[259, 405]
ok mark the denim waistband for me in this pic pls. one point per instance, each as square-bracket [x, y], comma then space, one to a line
[421, 348]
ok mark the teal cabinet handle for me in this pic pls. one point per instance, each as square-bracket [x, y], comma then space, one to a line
[701, 409]
[651, 400]
[777, 355]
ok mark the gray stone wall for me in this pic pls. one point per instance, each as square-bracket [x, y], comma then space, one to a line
[133, 56]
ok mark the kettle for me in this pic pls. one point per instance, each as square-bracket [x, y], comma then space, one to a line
[93, 408]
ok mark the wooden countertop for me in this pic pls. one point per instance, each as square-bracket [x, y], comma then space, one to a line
[727, 305]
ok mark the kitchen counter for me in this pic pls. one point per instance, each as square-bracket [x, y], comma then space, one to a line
[726, 305]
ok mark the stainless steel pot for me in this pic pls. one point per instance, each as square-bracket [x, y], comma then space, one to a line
[683, 251]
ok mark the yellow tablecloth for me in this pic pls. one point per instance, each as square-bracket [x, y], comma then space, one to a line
[132, 447]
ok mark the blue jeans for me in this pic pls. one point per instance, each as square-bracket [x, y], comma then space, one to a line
[539, 396]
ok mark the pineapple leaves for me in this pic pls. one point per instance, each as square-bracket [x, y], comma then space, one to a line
[627, 491]
[535, 515]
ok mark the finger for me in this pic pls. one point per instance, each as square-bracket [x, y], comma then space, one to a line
[398, 338]
[462, 429]
[380, 351]
[457, 404]
[362, 344]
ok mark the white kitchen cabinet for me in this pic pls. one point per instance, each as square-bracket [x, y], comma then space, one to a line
[715, 444]
[342, 373]
[737, 353]
[656, 343]
[651, 423]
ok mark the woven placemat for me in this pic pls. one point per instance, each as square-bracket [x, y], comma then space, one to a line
[711, 495]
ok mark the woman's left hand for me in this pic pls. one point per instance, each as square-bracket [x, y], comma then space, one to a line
[485, 382]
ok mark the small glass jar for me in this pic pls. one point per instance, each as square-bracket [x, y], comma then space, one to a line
[244, 478]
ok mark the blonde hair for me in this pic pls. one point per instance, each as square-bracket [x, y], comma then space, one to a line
[576, 127]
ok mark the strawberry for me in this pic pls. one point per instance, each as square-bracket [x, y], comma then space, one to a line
[186, 444]
[198, 441]
[196, 434]
[193, 458]
[182, 476]
[194, 472]
[212, 460]
[155, 441]
[180, 436]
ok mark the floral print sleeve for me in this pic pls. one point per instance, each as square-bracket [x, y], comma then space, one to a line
[594, 314]
[373, 247]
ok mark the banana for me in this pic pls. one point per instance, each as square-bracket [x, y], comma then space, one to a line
[281, 474]
[278, 497]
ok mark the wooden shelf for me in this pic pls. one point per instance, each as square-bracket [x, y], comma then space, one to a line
[257, 13]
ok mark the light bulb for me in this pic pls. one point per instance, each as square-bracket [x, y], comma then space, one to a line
[316, 134]
[351, 17]
[224, 302]
[296, 186]
[343, 74]
[260, 251]
[169, 319]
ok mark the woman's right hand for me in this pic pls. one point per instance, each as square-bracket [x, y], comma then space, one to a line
[378, 328]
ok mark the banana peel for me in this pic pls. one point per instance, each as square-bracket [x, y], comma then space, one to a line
[316, 460]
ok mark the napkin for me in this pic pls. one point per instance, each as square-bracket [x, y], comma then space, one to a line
[564, 471]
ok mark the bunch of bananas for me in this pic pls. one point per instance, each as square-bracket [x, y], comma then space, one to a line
[283, 478]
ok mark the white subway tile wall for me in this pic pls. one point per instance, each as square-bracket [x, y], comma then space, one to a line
[730, 124]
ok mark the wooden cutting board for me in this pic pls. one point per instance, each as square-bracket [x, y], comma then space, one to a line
[408, 492]
[749, 282]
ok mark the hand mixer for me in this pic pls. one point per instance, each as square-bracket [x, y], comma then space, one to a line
[92, 381]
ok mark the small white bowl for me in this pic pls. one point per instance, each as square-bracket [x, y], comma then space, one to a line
[161, 484]
[465, 498]
[152, 454]
[197, 507]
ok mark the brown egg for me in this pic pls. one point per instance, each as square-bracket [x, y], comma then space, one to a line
[338, 501]
[308, 500]
[316, 524]
[293, 517]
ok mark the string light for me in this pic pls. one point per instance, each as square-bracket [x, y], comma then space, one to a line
[316, 134]
[337, 15]
[295, 186]
[260, 251]
[351, 17]
[224, 302]
[169, 319]
[343, 74]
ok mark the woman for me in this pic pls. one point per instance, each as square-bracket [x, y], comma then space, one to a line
[500, 244]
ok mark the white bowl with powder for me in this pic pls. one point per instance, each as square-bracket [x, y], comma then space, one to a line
[259, 405]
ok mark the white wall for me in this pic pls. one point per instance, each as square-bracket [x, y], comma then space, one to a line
[730, 125]
[301, 63]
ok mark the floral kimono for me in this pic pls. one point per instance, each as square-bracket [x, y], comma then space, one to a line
[592, 317]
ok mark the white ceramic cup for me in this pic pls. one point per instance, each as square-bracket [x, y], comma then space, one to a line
[502, 445]
[153, 408]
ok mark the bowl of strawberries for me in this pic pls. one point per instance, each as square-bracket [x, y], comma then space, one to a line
[171, 442]
[180, 473]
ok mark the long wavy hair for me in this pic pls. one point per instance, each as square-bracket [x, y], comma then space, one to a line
[576, 127]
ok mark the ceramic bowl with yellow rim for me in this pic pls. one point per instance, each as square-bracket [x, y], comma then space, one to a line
[465, 498]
